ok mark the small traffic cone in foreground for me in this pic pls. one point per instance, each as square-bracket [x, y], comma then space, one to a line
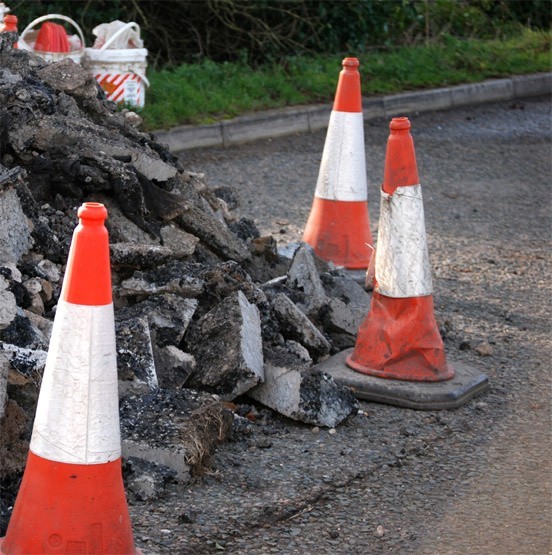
[338, 227]
[72, 498]
[400, 338]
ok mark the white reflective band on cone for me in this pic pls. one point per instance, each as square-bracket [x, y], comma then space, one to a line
[77, 417]
[402, 260]
[342, 173]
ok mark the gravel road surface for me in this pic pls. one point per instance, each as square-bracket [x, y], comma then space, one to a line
[475, 480]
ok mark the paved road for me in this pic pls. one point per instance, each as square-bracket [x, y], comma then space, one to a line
[476, 480]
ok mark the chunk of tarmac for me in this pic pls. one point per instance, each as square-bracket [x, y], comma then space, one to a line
[303, 393]
[450, 394]
[227, 346]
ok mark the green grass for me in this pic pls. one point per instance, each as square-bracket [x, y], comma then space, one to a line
[206, 92]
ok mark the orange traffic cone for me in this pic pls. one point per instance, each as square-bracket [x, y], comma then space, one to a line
[338, 227]
[72, 498]
[399, 338]
[10, 24]
[52, 37]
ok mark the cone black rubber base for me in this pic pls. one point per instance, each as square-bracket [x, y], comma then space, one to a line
[466, 384]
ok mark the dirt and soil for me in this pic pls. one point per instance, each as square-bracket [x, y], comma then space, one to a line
[391, 480]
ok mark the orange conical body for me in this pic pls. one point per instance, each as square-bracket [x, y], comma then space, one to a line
[72, 499]
[338, 227]
[399, 338]
[69, 508]
[52, 37]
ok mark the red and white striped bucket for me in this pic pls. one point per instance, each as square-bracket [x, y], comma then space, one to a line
[121, 72]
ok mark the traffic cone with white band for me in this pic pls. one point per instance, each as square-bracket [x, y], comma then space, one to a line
[72, 498]
[399, 338]
[338, 227]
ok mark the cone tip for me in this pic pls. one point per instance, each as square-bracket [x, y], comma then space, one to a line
[350, 62]
[399, 124]
[92, 211]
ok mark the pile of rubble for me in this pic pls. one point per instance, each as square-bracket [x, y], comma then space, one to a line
[208, 313]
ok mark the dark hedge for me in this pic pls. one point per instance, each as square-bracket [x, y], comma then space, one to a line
[259, 31]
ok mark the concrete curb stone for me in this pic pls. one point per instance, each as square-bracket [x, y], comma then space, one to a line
[488, 91]
[305, 119]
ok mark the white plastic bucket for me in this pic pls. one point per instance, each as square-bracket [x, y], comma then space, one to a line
[28, 36]
[120, 72]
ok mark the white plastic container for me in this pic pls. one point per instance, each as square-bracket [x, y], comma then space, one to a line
[27, 39]
[120, 72]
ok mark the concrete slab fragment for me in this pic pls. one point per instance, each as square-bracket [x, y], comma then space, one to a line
[176, 277]
[121, 227]
[304, 277]
[15, 232]
[168, 317]
[138, 256]
[466, 384]
[153, 167]
[134, 351]
[295, 325]
[27, 362]
[8, 305]
[181, 243]
[342, 318]
[173, 366]
[176, 429]
[302, 393]
[227, 346]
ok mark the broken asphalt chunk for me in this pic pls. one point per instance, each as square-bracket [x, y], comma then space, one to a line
[168, 317]
[175, 277]
[227, 345]
[15, 231]
[303, 276]
[134, 351]
[295, 325]
[298, 391]
[179, 430]
[173, 366]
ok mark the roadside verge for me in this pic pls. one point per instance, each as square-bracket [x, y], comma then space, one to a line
[303, 119]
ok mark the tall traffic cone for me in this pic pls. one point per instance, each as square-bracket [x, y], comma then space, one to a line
[72, 498]
[338, 227]
[400, 338]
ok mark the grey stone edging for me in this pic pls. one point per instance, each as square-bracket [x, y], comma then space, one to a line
[301, 119]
